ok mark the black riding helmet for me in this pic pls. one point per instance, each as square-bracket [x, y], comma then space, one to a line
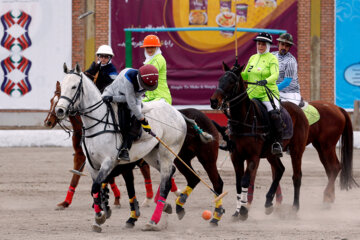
[263, 37]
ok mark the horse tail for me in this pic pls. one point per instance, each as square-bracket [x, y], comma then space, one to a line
[347, 180]
[222, 130]
[204, 136]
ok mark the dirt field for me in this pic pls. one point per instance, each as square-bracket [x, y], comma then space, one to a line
[34, 180]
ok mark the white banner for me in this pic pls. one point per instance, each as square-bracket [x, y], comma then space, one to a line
[36, 39]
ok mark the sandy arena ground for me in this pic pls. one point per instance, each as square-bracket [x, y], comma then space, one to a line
[34, 180]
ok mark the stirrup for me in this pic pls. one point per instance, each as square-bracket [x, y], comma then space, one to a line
[123, 155]
[276, 149]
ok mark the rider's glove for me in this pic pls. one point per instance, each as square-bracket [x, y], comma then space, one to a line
[262, 82]
[145, 125]
[107, 98]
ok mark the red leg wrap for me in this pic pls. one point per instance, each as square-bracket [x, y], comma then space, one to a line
[69, 195]
[148, 187]
[158, 210]
[115, 190]
[157, 195]
[173, 185]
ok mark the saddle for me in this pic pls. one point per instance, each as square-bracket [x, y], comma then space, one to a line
[288, 129]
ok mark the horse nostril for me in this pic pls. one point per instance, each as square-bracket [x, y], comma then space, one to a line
[48, 123]
[60, 112]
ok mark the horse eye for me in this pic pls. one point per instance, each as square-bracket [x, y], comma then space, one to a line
[73, 87]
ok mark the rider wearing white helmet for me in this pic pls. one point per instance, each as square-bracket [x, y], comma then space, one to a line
[128, 88]
[103, 72]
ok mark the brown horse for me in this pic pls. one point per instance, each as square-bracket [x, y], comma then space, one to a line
[249, 130]
[334, 123]
[79, 157]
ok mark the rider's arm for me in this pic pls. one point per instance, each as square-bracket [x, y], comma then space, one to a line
[286, 82]
[274, 70]
[132, 101]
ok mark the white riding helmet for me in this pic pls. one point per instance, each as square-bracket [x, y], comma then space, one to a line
[106, 50]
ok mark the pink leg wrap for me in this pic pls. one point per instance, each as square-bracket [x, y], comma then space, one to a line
[157, 195]
[115, 190]
[158, 210]
[173, 185]
[148, 187]
[69, 195]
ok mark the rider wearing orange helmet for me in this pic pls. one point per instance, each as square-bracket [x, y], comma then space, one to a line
[128, 88]
[154, 57]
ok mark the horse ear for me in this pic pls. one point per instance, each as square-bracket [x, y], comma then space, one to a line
[65, 68]
[58, 89]
[77, 68]
[225, 67]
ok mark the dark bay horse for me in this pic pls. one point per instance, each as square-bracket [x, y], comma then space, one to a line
[79, 157]
[334, 123]
[249, 130]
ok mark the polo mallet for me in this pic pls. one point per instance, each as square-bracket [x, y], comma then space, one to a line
[219, 196]
[77, 172]
[236, 49]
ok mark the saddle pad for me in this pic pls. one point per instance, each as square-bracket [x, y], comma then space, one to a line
[311, 113]
[288, 130]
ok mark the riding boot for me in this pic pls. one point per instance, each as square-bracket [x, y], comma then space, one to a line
[124, 150]
[277, 123]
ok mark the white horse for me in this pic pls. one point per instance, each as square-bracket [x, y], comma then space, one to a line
[79, 94]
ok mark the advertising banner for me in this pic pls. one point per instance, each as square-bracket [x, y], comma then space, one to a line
[35, 43]
[347, 87]
[194, 58]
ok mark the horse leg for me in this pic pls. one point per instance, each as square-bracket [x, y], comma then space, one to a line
[145, 171]
[116, 192]
[191, 180]
[328, 158]
[279, 170]
[241, 197]
[167, 172]
[208, 161]
[278, 193]
[252, 183]
[79, 159]
[96, 192]
[128, 176]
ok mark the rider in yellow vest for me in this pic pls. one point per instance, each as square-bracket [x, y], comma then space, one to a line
[263, 69]
[153, 56]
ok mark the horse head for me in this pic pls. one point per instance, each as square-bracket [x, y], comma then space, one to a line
[230, 85]
[51, 119]
[71, 91]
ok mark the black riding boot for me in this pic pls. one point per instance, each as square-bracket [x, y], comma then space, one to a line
[124, 150]
[277, 123]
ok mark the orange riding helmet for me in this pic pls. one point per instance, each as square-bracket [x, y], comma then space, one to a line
[151, 41]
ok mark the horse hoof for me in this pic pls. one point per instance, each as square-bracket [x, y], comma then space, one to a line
[146, 202]
[214, 222]
[180, 211]
[150, 226]
[117, 203]
[167, 208]
[269, 210]
[130, 223]
[235, 216]
[108, 213]
[100, 217]
[244, 213]
[59, 208]
[96, 228]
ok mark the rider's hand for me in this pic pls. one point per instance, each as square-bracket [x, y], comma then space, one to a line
[107, 98]
[145, 125]
[262, 82]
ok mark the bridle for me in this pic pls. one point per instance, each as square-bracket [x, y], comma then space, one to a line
[76, 96]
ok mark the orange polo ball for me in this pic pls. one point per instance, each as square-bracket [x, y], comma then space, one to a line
[206, 215]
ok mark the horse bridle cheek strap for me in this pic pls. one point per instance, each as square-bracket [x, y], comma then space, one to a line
[77, 94]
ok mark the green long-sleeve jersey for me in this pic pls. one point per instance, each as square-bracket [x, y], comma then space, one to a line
[261, 67]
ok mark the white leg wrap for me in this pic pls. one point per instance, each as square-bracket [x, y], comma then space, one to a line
[244, 196]
[238, 202]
